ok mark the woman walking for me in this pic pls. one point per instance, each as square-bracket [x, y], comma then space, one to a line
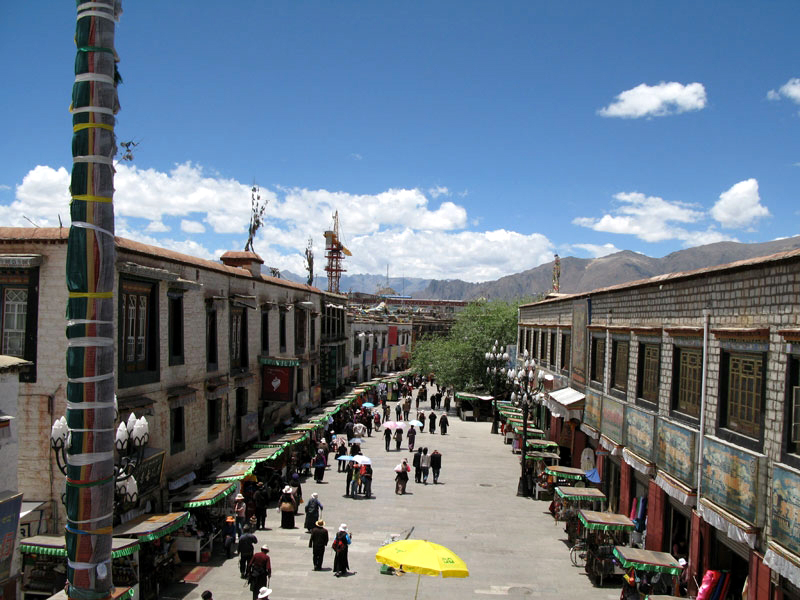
[319, 463]
[432, 422]
[287, 505]
[436, 465]
[341, 544]
[401, 478]
[443, 423]
[412, 436]
[398, 438]
[312, 511]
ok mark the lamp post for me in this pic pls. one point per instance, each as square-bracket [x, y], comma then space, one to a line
[524, 391]
[495, 369]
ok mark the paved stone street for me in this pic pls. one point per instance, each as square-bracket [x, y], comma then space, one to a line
[511, 545]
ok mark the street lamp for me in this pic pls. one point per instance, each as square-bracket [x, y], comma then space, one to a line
[495, 369]
[523, 393]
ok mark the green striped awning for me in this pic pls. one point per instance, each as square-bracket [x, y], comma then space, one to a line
[54, 545]
[258, 455]
[236, 471]
[152, 527]
[206, 495]
[588, 494]
[603, 521]
[647, 560]
[565, 472]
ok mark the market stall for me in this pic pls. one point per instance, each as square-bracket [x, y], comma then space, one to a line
[208, 512]
[473, 406]
[601, 532]
[44, 566]
[565, 475]
[651, 571]
[570, 501]
[158, 551]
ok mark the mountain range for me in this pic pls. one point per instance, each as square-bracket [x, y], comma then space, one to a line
[577, 274]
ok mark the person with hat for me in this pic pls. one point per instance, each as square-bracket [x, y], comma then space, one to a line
[240, 510]
[247, 543]
[229, 535]
[318, 542]
[312, 511]
[319, 463]
[341, 544]
[287, 503]
[260, 499]
[259, 571]
[264, 592]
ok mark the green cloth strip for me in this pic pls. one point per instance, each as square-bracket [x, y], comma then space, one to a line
[603, 526]
[166, 531]
[646, 567]
[95, 49]
[210, 501]
[562, 475]
[237, 477]
[579, 497]
[48, 551]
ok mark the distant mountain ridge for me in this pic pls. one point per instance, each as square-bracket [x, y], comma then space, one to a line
[577, 274]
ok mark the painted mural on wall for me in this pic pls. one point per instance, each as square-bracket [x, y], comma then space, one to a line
[613, 419]
[580, 321]
[730, 478]
[785, 509]
[676, 451]
[592, 411]
[640, 432]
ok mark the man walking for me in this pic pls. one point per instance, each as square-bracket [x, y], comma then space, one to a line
[260, 499]
[259, 571]
[436, 465]
[246, 549]
[387, 437]
[318, 542]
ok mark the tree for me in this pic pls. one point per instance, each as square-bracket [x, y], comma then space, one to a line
[257, 207]
[458, 359]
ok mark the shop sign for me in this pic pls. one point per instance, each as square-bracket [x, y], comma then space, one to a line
[730, 478]
[785, 509]
[277, 384]
[392, 335]
[248, 425]
[592, 411]
[613, 419]
[675, 451]
[148, 473]
[9, 523]
[580, 321]
[640, 432]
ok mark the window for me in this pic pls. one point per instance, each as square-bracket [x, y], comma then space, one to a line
[313, 333]
[238, 338]
[648, 368]
[19, 316]
[742, 392]
[265, 332]
[792, 429]
[619, 365]
[212, 360]
[553, 349]
[357, 346]
[177, 437]
[282, 331]
[138, 357]
[15, 311]
[687, 380]
[794, 423]
[300, 331]
[598, 359]
[214, 418]
[175, 305]
[535, 350]
[566, 340]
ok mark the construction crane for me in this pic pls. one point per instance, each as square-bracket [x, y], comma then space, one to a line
[335, 253]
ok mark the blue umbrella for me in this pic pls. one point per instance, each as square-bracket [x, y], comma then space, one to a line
[356, 441]
[415, 422]
[368, 405]
[345, 457]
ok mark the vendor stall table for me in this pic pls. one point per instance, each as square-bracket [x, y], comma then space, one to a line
[560, 472]
[602, 531]
[200, 496]
[651, 567]
[233, 471]
[261, 454]
[572, 499]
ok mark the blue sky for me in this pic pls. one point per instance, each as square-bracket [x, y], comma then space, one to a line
[457, 139]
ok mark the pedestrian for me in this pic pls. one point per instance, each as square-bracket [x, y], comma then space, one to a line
[376, 420]
[319, 463]
[398, 438]
[387, 412]
[401, 477]
[297, 490]
[406, 408]
[229, 536]
[443, 423]
[387, 437]
[239, 510]
[246, 547]
[287, 504]
[417, 467]
[436, 465]
[207, 595]
[421, 419]
[259, 571]
[447, 403]
[368, 422]
[318, 542]
[356, 481]
[261, 498]
[366, 479]
[398, 410]
[313, 507]
[412, 436]
[348, 470]
[341, 450]
[348, 429]
[425, 465]
[359, 430]
[432, 422]
[341, 544]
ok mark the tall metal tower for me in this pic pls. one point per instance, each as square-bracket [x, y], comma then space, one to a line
[335, 253]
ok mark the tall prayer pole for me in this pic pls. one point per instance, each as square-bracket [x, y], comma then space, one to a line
[90, 274]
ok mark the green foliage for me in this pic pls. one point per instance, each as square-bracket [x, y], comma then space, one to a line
[458, 359]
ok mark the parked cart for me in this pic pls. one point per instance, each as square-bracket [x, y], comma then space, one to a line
[601, 533]
[572, 499]
[650, 571]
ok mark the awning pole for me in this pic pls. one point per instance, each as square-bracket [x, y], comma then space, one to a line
[704, 378]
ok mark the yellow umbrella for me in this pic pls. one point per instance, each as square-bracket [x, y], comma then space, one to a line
[422, 557]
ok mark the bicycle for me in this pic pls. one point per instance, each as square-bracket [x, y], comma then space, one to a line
[577, 554]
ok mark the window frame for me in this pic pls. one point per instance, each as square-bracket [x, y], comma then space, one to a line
[176, 446]
[237, 338]
[678, 352]
[139, 354]
[265, 332]
[566, 351]
[751, 438]
[553, 347]
[176, 339]
[282, 332]
[26, 278]
[212, 338]
[642, 373]
[300, 326]
[598, 379]
[790, 452]
[620, 367]
[213, 419]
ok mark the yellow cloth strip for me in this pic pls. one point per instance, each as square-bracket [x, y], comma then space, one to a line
[91, 294]
[81, 126]
[90, 198]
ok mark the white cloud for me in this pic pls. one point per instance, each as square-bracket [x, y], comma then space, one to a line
[157, 227]
[437, 191]
[790, 90]
[740, 206]
[356, 156]
[656, 100]
[4, 187]
[597, 251]
[42, 196]
[188, 226]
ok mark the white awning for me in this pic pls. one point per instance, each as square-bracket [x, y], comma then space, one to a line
[786, 563]
[674, 488]
[566, 403]
[735, 528]
[637, 462]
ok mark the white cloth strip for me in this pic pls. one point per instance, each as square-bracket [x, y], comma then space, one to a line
[93, 158]
[108, 516]
[88, 342]
[92, 379]
[88, 458]
[97, 13]
[97, 109]
[88, 5]
[83, 565]
[85, 225]
[94, 77]
[782, 565]
[71, 322]
[90, 405]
